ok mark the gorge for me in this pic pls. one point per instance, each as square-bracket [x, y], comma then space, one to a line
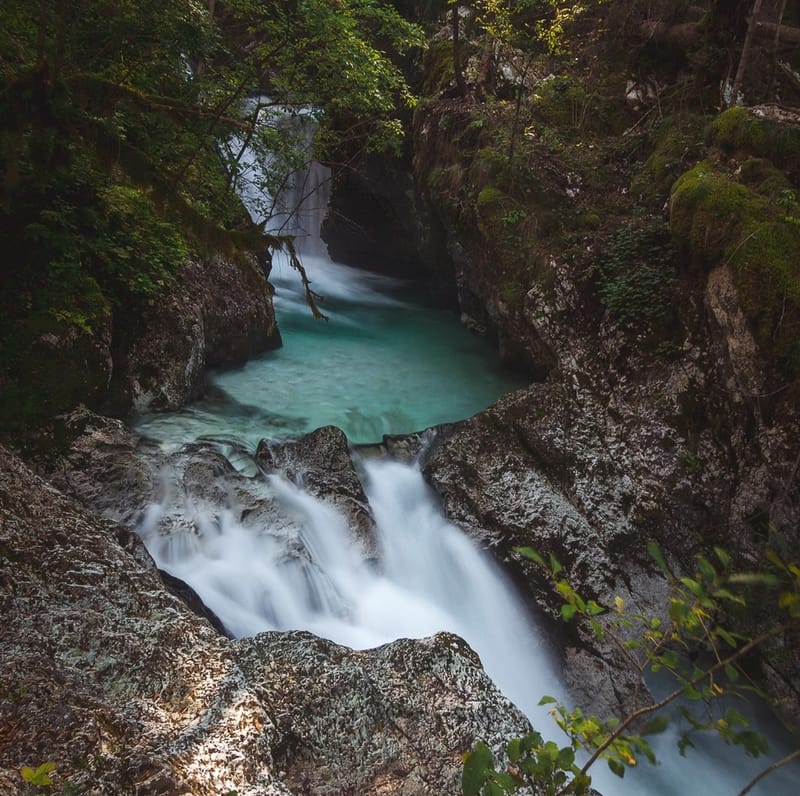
[333, 511]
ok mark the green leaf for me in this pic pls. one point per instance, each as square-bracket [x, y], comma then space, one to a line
[599, 632]
[40, 776]
[723, 557]
[547, 700]
[690, 692]
[694, 587]
[616, 767]
[724, 594]
[532, 555]
[706, 569]
[555, 565]
[566, 757]
[655, 553]
[594, 609]
[568, 611]
[478, 766]
[656, 725]
[513, 749]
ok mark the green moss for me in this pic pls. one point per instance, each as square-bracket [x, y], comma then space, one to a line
[719, 220]
[766, 263]
[437, 68]
[675, 148]
[490, 197]
[588, 221]
[513, 293]
[760, 175]
[737, 132]
[706, 210]
[488, 165]
[562, 102]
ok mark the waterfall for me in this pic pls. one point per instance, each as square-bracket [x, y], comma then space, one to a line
[427, 576]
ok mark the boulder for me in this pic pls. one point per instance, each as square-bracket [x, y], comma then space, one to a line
[114, 680]
[320, 464]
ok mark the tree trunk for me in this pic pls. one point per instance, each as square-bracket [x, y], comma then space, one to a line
[744, 59]
[458, 69]
[780, 33]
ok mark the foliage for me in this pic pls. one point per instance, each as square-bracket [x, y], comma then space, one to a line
[40, 776]
[117, 123]
[697, 643]
[752, 225]
[637, 275]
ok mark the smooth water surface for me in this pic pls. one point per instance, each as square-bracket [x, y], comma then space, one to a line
[382, 364]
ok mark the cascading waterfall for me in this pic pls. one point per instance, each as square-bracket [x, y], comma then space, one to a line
[382, 364]
[426, 577]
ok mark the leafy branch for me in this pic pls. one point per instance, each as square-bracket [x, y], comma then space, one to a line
[699, 608]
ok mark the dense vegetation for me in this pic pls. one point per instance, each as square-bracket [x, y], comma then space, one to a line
[560, 130]
[121, 126]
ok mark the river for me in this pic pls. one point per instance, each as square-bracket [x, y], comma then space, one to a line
[384, 363]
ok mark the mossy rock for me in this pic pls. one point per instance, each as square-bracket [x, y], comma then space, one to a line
[766, 264]
[489, 165]
[675, 148]
[720, 220]
[490, 197]
[762, 176]
[707, 209]
[738, 133]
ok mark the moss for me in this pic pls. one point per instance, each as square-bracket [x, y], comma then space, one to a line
[437, 68]
[760, 175]
[490, 197]
[675, 148]
[489, 165]
[707, 208]
[737, 132]
[565, 104]
[766, 263]
[513, 293]
[720, 220]
[562, 102]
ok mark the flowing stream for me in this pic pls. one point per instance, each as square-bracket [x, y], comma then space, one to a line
[383, 364]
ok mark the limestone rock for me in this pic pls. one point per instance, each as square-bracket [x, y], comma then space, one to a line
[320, 464]
[113, 679]
[217, 313]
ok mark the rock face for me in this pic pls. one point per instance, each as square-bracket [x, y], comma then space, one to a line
[218, 313]
[320, 464]
[379, 220]
[113, 679]
[618, 448]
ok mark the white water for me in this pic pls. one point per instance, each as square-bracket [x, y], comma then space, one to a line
[428, 577]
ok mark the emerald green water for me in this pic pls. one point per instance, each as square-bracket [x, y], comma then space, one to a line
[382, 364]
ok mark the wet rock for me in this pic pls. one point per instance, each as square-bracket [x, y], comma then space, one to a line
[217, 313]
[109, 676]
[320, 464]
[95, 460]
